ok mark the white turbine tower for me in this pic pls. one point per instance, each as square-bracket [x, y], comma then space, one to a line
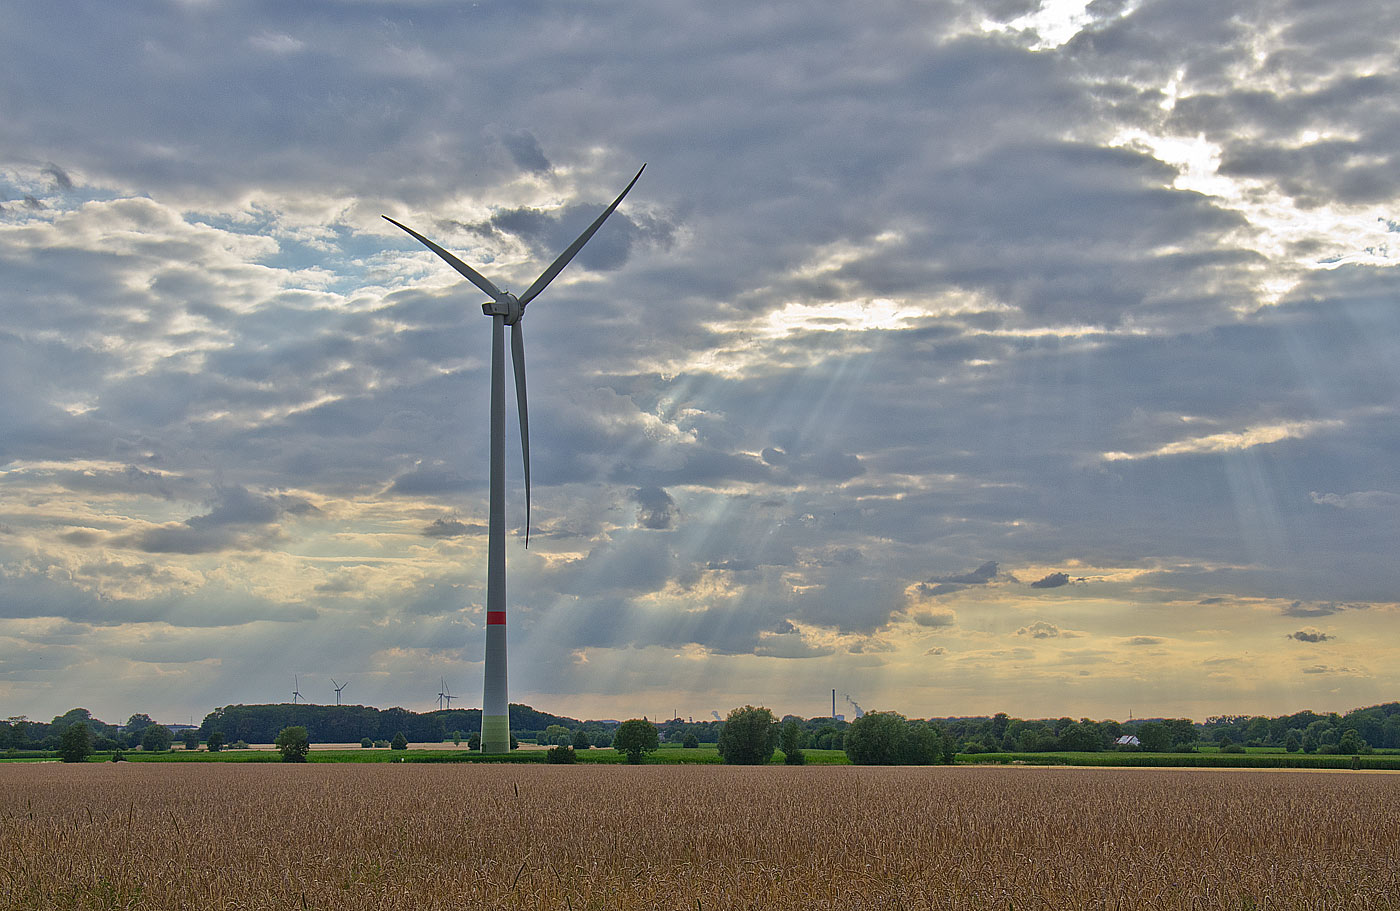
[338, 688]
[505, 309]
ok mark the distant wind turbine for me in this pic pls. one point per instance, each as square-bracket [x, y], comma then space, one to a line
[447, 693]
[338, 688]
[296, 689]
[505, 309]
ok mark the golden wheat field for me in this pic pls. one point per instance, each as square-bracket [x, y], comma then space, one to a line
[347, 837]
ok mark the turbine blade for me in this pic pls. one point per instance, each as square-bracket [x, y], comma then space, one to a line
[558, 265]
[517, 352]
[473, 276]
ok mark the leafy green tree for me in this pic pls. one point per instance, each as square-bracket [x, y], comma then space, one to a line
[156, 738]
[400, 742]
[75, 743]
[1390, 732]
[877, 738]
[581, 741]
[1079, 738]
[748, 737]
[366, 743]
[1154, 736]
[1292, 743]
[928, 743]
[192, 740]
[791, 739]
[888, 738]
[1181, 734]
[882, 738]
[691, 742]
[1351, 742]
[636, 738]
[559, 735]
[73, 716]
[216, 741]
[456, 738]
[293, 743]
[1037, 739]
[561, 755]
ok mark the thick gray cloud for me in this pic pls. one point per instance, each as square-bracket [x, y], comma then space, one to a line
[655, 508]
[944, 585]
[525, 149]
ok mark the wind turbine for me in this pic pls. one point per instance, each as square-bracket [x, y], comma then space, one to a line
[296, 689]
[505, 309]
[442, 684]
[447, 694]
[338, 688]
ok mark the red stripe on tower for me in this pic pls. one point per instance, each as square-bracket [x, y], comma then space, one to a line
[495, 618]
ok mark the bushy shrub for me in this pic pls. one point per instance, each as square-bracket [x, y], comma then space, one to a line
[888, 738]
[636, 738]
[366, 743]
[156, 738]
[400, 742]
[791, 739]
[748, 737]
[561, 755]
[75, 745]
[293, 743]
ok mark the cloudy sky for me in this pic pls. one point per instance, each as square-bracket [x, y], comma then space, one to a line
[962, 356]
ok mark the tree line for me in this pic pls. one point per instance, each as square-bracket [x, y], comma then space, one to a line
[1358, 731]
[353, 723]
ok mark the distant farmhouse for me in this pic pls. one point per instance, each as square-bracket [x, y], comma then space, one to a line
[1127, 740]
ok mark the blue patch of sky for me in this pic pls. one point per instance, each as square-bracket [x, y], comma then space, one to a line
[344, 258]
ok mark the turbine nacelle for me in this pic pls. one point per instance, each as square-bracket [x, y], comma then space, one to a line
[507, 305]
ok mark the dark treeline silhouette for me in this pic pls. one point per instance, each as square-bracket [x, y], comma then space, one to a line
[1360, 730]
[351, 723]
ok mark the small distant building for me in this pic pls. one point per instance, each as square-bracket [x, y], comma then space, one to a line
[1127, 740]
